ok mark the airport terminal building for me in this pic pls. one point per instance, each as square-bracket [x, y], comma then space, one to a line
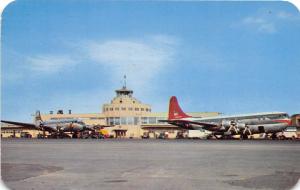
[126, 117]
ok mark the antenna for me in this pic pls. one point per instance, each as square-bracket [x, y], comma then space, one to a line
[124, 81]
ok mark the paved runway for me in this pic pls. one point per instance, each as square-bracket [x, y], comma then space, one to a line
[149, 164]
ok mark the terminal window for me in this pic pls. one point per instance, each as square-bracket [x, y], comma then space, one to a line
[136, 109]
[130, 120]
[123, 121]
[152, 120]
[144, 120]
[123, 109]
[117, 121]
[136, 120]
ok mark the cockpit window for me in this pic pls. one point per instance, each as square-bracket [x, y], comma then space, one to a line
[285, 115]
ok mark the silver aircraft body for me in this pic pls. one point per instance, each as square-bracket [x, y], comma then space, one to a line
[63, 125]
[243, 124]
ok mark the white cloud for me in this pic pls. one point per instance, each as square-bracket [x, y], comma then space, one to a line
[268, 23]
[260, 24]
[49, 64]
[140, 59]
[283, 15]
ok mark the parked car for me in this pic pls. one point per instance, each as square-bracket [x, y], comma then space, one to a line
[145, 135]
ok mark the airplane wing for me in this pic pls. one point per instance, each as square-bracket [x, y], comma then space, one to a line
[27, 125]
[204, 124]
[180, 122]
[49, 129]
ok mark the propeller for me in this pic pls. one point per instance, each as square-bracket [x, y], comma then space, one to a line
[247, 129]
[233, 127]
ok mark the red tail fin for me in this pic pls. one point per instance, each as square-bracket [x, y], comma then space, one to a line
[175, 112]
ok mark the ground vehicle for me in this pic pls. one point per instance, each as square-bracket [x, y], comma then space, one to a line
[180, 135]
[196, 134]
[145, 135]
[25, 135]
[162, 135]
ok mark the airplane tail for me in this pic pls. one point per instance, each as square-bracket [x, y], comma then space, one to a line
[38, 118]
[175, 112]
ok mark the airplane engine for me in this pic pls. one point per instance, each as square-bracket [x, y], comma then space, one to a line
[241, 125]
[231, 126]
[227, 123]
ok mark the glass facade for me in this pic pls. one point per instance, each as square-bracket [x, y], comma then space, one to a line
[123, 120]
[130, 120]
[136, 120]
[133, 120]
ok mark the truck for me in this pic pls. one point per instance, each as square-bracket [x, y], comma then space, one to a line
[197, 134]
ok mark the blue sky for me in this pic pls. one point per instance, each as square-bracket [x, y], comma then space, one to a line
[230, 57]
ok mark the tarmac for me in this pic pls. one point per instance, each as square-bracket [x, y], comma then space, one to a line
[149, 164]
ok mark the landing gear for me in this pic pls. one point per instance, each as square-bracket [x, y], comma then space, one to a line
[75, 135]
[274, 136]
[44, 133]
[226, 137]
[243, 136]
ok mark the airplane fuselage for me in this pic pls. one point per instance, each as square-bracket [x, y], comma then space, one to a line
[255, 123]
[65, 125]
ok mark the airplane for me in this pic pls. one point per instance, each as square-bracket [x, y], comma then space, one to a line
[226, 126]
[53, 126]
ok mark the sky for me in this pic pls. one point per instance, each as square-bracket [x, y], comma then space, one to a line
[228, 57]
